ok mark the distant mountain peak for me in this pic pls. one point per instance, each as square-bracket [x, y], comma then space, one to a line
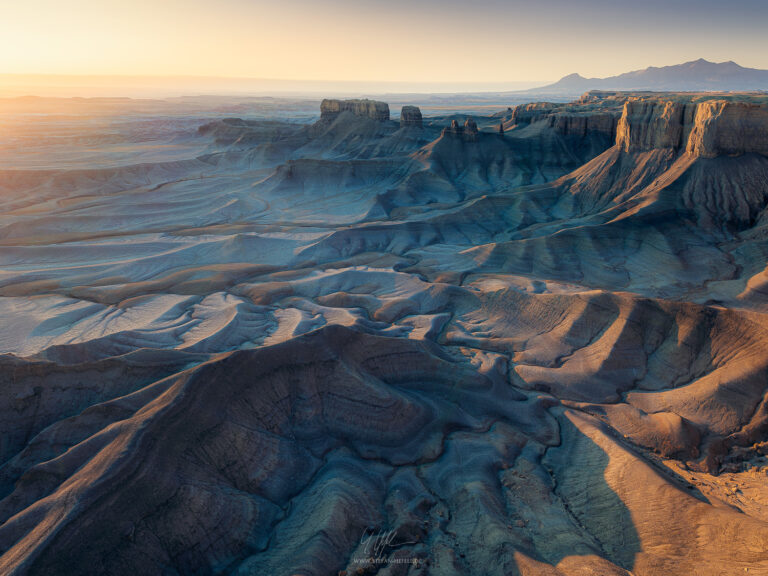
[574, 76]
[694, 76]
[708, 63]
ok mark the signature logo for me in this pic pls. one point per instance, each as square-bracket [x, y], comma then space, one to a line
[376, 543]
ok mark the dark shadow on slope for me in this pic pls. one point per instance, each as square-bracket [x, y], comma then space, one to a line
[276, 460]
[578, 469]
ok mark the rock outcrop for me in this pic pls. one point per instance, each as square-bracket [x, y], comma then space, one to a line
[567, 119]
[705, 129]
[685, 157]
[332, 109]
[467, 132]
[654, 124]
[729, 128]
[528, 113]
[410, 116]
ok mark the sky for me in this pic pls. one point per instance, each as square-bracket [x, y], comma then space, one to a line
[482, 44]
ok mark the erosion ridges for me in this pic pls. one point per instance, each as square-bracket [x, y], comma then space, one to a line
[518, 350]
[700, 160]
[371, 430]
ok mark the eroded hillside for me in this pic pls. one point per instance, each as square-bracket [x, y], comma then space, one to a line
[532, 343]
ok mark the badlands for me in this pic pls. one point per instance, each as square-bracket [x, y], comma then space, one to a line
[527, 343]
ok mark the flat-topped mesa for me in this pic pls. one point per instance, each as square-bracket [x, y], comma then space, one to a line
[705, 129]
[567, 119]
[410, 116]
[332, 109]
[467, 132]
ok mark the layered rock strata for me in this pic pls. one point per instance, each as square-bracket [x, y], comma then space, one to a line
[705, 129]
[567, 119]
[332, 109]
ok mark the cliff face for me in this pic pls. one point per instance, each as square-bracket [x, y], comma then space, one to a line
[331, 109]
[729, 128]
[410, 116]
[654, 124]
[528, 113]
[567, 119]
[581, 125]
[707, 158]
[706, 129]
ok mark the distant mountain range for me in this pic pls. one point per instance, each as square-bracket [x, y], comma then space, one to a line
[698, 75]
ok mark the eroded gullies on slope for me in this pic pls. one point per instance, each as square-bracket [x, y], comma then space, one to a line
[519, 350]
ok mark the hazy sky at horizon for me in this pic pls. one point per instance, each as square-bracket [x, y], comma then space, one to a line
[441, 41]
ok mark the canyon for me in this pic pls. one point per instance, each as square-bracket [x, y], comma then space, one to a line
[532, 342]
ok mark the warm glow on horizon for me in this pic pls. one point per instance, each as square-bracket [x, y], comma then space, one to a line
[375, 41]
